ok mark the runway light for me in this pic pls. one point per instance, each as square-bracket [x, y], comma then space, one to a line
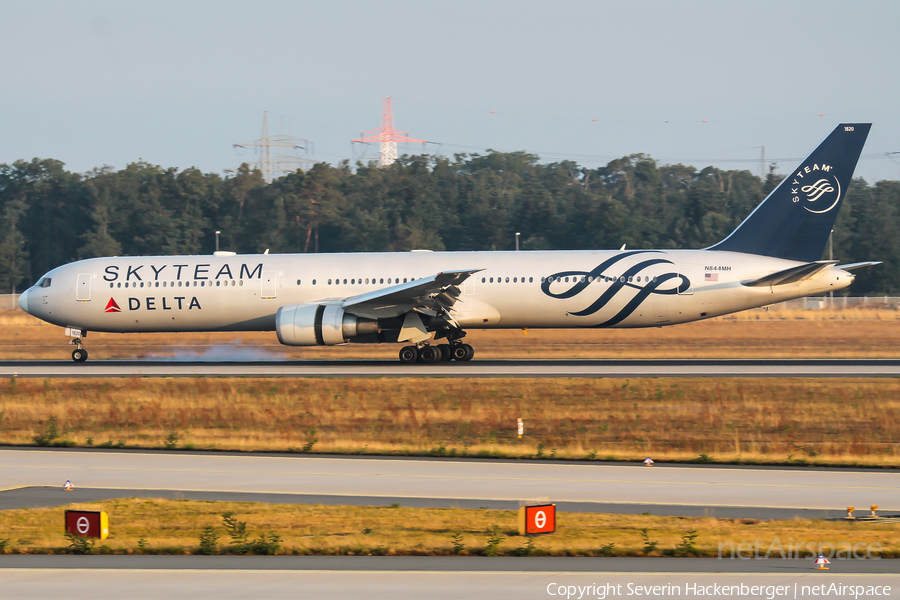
[874, 507]
[850, 510]
[648, 461]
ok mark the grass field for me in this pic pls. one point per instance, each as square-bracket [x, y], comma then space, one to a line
[751, 334]
[816, 421]
[176, 526]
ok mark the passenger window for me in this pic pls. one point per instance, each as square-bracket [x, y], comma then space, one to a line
[329, 282]
[483, 279]
[314, 282]
[218, 283]
[345, 282]
[382, 280]
[404, 280]
[112, 285]
[530, 280]
[353, 281]
[492, 280]
[298, 282]
[507, 280]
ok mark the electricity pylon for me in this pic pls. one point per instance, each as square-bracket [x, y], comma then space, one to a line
[283, 161]
[387, 136]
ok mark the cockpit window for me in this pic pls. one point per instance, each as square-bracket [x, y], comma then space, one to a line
[44, 282]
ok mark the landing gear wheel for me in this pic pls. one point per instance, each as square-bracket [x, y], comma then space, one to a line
[79, 355]
[429, 355]
[409, 355]
[446, 353]
[463, 352]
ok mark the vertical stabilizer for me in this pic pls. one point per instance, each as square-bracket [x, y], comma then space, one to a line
[795, 220]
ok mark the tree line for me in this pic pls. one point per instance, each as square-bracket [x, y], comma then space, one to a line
[51, 216]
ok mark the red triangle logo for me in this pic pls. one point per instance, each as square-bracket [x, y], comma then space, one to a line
[111, 306]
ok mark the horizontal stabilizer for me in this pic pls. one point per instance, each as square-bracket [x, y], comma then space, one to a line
[859, 265]
[792, 275]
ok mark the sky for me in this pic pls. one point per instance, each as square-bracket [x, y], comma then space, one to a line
[178, 83]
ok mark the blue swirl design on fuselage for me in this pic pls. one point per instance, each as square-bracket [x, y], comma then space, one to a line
[617, 284]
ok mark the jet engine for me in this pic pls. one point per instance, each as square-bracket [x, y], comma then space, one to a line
[319, 325]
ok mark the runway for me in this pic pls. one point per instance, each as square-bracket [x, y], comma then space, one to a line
[379, 479]
[476, 368]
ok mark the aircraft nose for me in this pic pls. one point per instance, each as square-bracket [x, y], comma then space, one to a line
[23, 300]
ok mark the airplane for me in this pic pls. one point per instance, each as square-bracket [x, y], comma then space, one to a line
[421, 297]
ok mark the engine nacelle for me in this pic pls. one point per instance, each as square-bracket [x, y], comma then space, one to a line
[319, 325]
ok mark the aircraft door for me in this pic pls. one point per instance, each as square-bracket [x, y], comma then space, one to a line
[469, 286]
[83, 287]
[687, 272]
[269, 281]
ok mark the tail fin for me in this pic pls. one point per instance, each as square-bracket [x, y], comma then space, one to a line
[795, 220]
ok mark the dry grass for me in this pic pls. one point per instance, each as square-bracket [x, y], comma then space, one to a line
[751, 334]
[817, 421]
[175, 526]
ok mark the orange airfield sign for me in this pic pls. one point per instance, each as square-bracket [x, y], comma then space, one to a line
[537, 519]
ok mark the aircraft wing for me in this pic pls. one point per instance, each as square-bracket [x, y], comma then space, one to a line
[791, 275]
[430, 295]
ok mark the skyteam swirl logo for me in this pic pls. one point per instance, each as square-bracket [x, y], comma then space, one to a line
[632, 279]
[822, 188]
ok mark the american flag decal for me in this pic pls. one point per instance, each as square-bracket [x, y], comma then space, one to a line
[710, 276]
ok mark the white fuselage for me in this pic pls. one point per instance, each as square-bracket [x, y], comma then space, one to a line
[588, 288]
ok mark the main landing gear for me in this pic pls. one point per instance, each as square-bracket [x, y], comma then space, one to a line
[427, 354]
[79, 354]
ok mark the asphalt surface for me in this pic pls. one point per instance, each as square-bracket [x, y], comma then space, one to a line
[376, 579]
[384, 480]
[447, 564]
[40, 497]
[476, 368]
[34, 477]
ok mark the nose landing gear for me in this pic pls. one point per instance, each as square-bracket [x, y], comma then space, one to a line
[79, 354]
